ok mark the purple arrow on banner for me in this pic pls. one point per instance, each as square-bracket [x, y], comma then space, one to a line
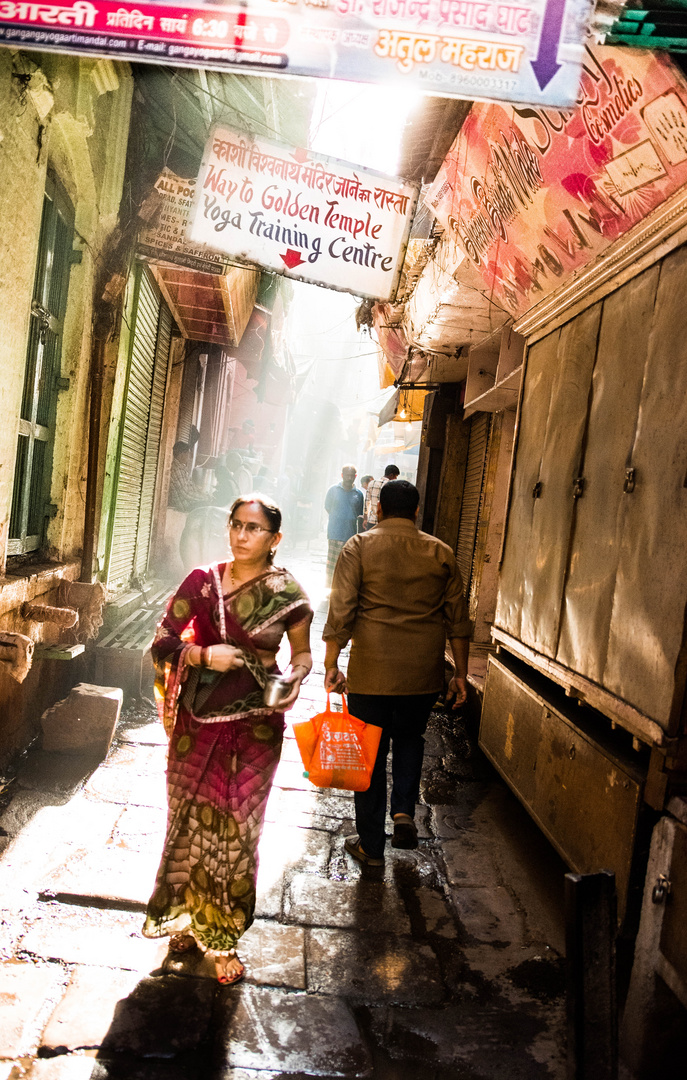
[546, 65]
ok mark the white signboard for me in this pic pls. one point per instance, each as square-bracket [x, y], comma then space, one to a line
[302, 214]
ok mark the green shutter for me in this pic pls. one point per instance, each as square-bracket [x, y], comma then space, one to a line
[33, 470]
[141, 427]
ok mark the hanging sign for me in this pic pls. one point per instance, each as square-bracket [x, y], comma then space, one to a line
[164, 240]
[509, 50]
[532, 195]
[302, 214]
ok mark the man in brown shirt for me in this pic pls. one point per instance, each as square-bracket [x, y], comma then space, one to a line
[397, 594]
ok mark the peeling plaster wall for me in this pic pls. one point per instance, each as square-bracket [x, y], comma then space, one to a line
[73, 116]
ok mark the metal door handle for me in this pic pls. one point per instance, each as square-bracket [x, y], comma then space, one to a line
[578, 486]
[630, 476]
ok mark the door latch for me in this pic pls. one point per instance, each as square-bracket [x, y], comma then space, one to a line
[661, 890]
[630, 477]
[578, 486]
[536, 490]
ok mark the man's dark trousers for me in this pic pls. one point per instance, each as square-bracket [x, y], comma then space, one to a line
[403, 720]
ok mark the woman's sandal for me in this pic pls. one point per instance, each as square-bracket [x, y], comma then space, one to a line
[229, 979]
[182, 943]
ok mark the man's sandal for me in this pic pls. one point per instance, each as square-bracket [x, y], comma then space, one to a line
[352, 846]
[405, 832]
[225, 978]
[182, 943]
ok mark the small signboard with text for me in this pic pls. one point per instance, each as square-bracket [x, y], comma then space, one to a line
[532, 195]
[302, 214]
[165, 240]
[508, 50]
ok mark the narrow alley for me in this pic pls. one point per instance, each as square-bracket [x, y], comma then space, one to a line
[446, 963]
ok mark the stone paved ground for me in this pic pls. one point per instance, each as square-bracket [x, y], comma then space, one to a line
[445, 964]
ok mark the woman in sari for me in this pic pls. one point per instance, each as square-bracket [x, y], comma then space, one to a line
[213, 652]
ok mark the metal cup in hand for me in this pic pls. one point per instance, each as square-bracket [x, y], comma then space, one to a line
[276, 689]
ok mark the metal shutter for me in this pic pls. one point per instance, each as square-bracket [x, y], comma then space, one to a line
[140, 434]
[187, 400]
[473, 496]
[157, 402]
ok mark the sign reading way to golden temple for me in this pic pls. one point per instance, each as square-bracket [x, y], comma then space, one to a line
[302, 214]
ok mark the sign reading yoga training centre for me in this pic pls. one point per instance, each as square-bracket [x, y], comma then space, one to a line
[508, 50]
[302, 214]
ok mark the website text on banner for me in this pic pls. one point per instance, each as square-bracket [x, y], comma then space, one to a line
[515, 50]
[532, 195]
[302, 214]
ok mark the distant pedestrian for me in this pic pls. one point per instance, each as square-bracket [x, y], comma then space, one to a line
[344, 504]
[397, 595]
[391, 472]
[365, 482]
[183, 493]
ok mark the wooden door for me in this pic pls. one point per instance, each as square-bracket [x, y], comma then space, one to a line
[550, 447]
[616, 389]
[646, 651]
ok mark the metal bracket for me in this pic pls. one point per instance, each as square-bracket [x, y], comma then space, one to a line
[536, 490]
[578, 487]
[630, 477]
[661, 890]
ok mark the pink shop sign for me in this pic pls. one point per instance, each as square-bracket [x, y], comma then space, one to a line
[532, 195]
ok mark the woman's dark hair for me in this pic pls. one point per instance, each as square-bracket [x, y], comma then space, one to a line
[270, 510]
[399, 499]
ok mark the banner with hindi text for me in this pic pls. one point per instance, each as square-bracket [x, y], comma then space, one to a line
[508, 50]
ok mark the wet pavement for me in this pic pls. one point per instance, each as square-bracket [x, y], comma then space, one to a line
[445, 963]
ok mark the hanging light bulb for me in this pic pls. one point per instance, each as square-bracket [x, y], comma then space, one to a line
[409, 426]
[403, 413]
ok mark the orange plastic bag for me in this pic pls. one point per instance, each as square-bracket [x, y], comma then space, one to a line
[337, 749]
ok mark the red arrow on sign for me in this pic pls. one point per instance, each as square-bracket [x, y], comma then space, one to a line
[300, 155]
[292, 258]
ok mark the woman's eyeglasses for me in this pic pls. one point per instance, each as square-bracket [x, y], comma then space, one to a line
[251, 527]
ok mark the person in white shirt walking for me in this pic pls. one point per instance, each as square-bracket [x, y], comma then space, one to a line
[391, 472]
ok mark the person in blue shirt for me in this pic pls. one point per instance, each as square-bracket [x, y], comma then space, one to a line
[344, 504]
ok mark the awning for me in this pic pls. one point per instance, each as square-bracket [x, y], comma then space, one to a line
[404, 407]
[209, 307]
[392, 341]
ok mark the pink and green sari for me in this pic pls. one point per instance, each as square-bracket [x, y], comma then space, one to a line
[223, 752]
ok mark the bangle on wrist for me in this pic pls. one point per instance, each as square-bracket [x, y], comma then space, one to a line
[208, 656]
[201, 658]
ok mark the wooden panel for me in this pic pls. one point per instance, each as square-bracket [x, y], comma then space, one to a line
[562, 454]
[616, 389]
[647, 623]
[510, 730]
[673, 943]
[584, 796]
[541, 366]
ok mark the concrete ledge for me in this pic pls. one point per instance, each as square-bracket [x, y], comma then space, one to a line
[84, 721]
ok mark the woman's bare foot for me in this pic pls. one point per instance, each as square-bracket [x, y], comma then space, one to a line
[229, 969]
[182, 943]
